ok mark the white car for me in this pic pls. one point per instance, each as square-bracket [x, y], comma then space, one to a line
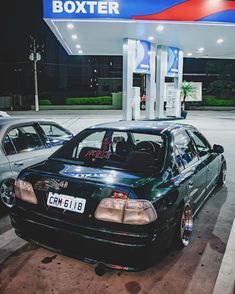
[4, 114]
[25, 142]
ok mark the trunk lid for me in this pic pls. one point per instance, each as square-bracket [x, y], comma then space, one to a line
[88, 183]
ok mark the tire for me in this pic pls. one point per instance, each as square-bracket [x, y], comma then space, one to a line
[7, 195]
[142, 106]
[185, 227]
[222, 175]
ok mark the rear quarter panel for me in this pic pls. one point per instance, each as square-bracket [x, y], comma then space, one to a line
[28, 159]
[5, 170]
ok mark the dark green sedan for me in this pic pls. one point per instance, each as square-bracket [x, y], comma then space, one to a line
[118, 194]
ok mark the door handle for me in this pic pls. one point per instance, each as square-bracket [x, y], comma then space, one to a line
[18, 164]
[190, 184]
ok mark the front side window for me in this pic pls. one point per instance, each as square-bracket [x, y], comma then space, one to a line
[115, 149]
[202, 144]
[22, 139]
[185, 151]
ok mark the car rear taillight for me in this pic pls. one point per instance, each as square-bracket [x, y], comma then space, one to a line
[139, 212]
[126, 211]
[111, 210]
[24, 191]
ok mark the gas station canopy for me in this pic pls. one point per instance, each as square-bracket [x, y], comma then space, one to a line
[153, 36]
[200, 28]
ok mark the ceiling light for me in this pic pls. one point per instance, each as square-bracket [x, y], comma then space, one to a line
[70, 26]
[214, 2]
[201, 49]
[78, 46]
[160, 28]
[151, 38]
[80, 51]
[189, 54]
[74, 37]
[220, 41]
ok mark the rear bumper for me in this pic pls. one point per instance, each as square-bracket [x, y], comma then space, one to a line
[129, 251]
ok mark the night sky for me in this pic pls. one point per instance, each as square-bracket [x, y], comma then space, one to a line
[18, 20]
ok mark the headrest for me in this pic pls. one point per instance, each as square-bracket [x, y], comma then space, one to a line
[118, 139]
[123, 148]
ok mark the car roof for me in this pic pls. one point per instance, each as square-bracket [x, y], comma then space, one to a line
[142, 126]
[7, 122]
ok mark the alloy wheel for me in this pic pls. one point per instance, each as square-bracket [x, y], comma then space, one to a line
[7, 194]
[186, 225]
[222, 176]
[224, 173]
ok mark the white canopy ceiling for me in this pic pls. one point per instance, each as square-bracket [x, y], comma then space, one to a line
[104, 37]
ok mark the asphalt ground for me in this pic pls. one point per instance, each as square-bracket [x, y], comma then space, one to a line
[4, 222]
[193, 270]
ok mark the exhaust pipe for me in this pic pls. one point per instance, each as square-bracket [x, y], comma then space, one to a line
[101, 269]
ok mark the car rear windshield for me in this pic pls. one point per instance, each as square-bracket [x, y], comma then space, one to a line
[124, 150]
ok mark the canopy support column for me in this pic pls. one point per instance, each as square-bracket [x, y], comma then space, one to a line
[128, 67]
[151, 84]
[161, 74]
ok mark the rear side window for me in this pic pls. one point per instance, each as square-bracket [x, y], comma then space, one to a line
[185, 151]
[22, 139]
[8, 146]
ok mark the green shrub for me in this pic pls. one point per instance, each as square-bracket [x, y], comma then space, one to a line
[45, 102]
[213, 101]
[105, 100]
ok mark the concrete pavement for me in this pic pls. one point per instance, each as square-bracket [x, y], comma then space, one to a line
[9, 243]
[225, 282]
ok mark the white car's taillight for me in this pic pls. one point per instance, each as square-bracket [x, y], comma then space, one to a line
[126, 211]
[24, 191]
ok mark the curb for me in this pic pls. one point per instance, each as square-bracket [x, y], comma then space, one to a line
[225, 281]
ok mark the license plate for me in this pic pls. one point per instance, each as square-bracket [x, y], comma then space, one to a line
[66, 202]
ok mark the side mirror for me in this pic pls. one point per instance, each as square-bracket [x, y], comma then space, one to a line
[48, 144]
[218, 149]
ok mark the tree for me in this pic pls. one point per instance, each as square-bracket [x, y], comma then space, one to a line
[186, 90]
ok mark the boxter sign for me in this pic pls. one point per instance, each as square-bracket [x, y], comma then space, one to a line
[172, 10]
[85, 7]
